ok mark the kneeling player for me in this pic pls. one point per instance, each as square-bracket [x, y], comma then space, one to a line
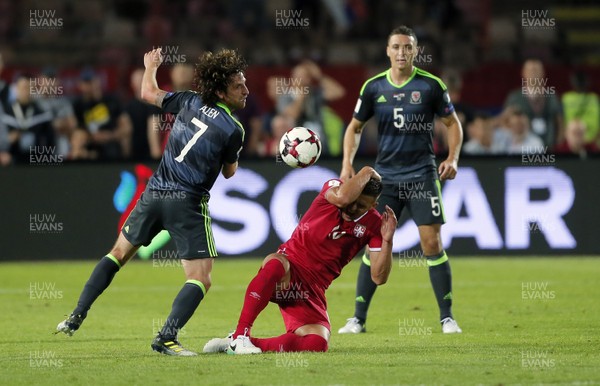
[339, 223]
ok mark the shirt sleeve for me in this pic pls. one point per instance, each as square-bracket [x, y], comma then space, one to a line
[330, 184]
[234, 147]
[174, 101]
[363, 110]
[441, 100]
[376, 240]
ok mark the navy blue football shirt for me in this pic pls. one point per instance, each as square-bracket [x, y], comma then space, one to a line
[405, 115]
[202, 139]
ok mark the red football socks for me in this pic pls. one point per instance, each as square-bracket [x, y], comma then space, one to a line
[258, 294]
[291, 342]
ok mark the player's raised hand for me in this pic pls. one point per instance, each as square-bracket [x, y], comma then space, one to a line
[448, 169]
[347, 173]
[388, 224]
[153, 59]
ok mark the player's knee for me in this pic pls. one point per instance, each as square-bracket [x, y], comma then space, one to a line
[119, 254]
[277, 257]
[207, 283]
[316, 343]
[432, 246]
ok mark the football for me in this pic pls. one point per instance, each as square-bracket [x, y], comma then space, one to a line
[300, 147]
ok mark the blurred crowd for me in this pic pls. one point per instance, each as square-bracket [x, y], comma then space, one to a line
[82, 121]
[533, 120]
[37, 117]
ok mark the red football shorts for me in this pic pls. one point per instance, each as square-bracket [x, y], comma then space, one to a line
[301, 302]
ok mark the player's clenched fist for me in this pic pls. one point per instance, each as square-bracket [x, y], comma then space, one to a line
[153, 58]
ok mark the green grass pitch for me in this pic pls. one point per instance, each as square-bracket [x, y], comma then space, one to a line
[524, 321]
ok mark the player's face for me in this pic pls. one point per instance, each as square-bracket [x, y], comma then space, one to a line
[401, 50]
[237, 92]
[359, 207]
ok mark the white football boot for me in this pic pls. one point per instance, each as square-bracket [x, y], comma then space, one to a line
[352, 326]
[242, 345]
[218, 345]
[449, 326]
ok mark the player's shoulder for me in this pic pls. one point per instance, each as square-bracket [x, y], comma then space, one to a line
[330, 184]
[372, 220]
[374, 215]
[232, 122]
[429, 78]
[374, 81]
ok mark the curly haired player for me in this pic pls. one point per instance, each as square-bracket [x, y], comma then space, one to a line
[205, 141]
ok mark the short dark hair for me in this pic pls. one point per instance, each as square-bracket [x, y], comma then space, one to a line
[403, 30]
[214, 71]
[373, 188]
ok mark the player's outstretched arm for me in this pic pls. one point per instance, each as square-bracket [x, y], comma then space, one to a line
[150, 91]
[381, 262]
[449, 167]
[349, 191]
[351, 142]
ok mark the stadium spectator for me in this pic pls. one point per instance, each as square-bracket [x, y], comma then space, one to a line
[279, 125]
[4, 88]
[481, 136]
[28, 124]
[575, 141]
[514, 137]
[102, 131]
[539, 102]
[51, 98]
[303, 98]
[140, 117]
[252, 119]
[182, 77]
[582, 104]
[5, 157]
[340, 222]
[453, 80]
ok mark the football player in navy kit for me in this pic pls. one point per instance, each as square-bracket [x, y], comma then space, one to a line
[405, 100]
[205, 141]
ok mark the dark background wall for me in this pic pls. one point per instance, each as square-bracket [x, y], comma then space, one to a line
[495, 206]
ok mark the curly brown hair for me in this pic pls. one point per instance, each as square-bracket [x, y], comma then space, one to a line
[214, 71]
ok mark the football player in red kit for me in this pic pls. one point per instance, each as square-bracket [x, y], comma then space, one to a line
[339, 223]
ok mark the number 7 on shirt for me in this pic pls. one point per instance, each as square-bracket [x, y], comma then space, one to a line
[202, 129]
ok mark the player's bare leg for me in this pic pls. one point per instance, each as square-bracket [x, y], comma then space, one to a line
[274, 270]
[197, 273]
[99, 280]
[440, 274]
[310, 337]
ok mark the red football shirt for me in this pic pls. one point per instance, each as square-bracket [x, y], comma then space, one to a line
[323, 243]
